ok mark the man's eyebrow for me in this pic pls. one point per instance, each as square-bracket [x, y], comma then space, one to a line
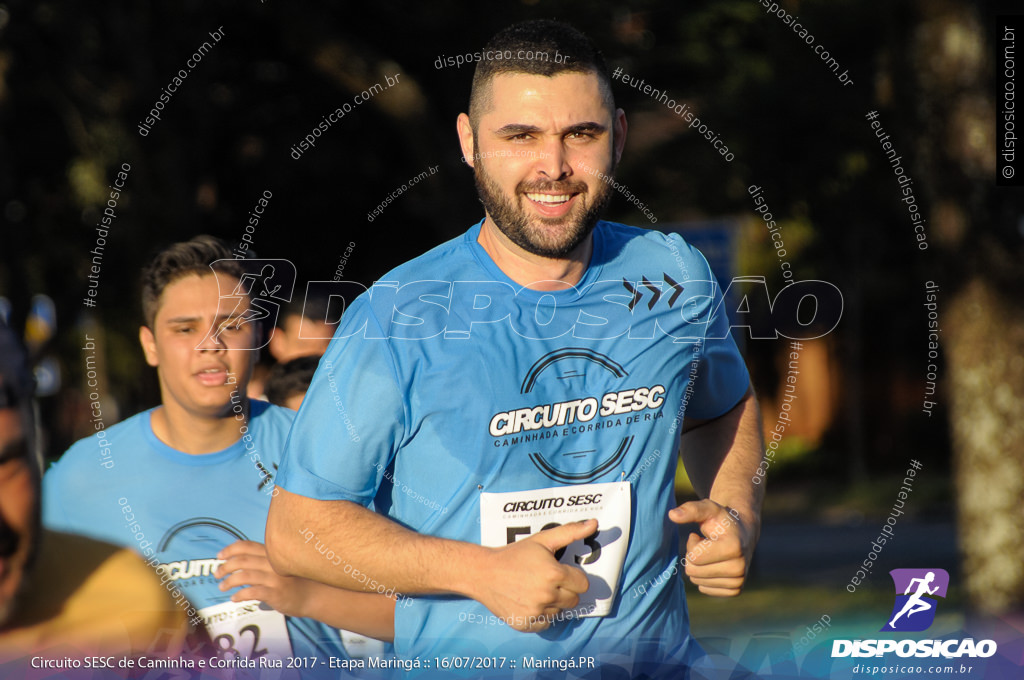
[183, 319]
[589, 126]
[513, 129]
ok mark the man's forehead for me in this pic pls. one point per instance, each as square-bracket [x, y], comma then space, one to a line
[573, 94]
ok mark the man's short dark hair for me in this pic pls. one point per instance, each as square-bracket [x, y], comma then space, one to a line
[530, 47]
[182, 259]
[290, 378]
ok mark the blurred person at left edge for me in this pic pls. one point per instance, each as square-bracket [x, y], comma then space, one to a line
[63, 595]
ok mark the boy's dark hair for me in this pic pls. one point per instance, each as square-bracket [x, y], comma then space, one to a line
[544, 39]
[290, 378]
[182, 259]
[314, 306]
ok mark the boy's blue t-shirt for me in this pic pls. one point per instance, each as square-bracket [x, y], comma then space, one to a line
[465, 406]
[179, 510]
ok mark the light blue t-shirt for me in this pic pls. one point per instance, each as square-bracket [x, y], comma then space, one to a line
[447, 381]
[131, 489]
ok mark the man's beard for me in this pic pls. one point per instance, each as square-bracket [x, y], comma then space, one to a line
[509, 214]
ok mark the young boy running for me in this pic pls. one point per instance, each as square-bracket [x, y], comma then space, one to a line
[188, 484]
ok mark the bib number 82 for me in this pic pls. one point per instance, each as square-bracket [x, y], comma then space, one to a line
[513, 534]
[225, 643]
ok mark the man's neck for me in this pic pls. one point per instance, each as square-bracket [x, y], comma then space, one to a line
[535, 271]
[196, 435]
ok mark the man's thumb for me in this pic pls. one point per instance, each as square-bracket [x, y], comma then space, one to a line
[694, 512]
[558, 537]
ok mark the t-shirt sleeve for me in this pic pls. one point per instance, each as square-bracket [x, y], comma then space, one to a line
[722, 378]
[352, 419]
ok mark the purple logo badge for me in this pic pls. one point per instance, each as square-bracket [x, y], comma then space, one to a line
[916, 590]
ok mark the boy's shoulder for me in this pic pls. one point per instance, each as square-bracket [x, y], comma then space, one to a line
[96, 447]
[270, 418]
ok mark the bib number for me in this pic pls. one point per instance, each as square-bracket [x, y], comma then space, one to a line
[512, 516]
[244, 629]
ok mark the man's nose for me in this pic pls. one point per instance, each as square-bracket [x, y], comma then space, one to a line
[553, 160]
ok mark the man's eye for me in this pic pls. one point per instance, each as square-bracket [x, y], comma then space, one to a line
[520, 137]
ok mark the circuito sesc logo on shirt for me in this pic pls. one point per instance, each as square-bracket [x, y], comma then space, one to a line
[573, 417]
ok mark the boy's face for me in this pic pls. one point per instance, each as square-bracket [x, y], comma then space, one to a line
[19, 509]
[199, 367]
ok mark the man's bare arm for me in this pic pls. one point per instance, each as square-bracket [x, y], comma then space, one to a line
[246, 566]
[722, 456]
[301, 530]
[364, 613]
[521, 581]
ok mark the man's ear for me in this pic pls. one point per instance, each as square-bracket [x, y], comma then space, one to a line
[278, 344]
[466, 139]
[148, 342]
[619, 134]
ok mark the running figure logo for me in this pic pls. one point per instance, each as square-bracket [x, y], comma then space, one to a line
[915, 611]
[265, 291]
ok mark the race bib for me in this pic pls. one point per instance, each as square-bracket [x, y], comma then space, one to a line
[509, 517]
[244, 629]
